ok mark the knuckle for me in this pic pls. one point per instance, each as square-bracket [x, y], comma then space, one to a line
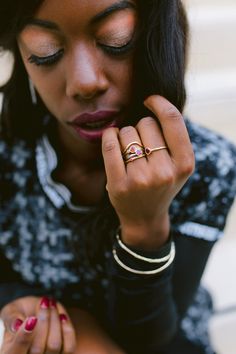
[127, 130]
[109, 146]
[120, 190]
[139, 182]
[167, 178]
[146, 122]
[43, 316]
[23, 340]
[54, 348]
[36, 350]
[187, 167]
[173, 113]
[69, 330]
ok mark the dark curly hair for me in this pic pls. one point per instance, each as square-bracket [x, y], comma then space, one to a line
[160, 62]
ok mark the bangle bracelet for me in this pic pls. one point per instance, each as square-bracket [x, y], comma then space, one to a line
[142, 258]
[147, 272]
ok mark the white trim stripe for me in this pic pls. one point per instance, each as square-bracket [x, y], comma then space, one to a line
[200, 231]
[46, 161]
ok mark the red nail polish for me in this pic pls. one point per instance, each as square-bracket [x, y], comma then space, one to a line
[63, 317]
[16, 325]
[53, 303]
[45, 303]
[30, 324]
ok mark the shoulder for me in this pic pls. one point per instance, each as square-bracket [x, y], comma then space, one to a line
[213, 151]
[202, 206]
[215, 160]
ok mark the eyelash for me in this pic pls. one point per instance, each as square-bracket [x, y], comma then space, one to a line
[52, 59]
[49, 60]
[118, 50]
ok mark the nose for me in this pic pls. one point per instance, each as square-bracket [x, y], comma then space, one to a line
[85, 74]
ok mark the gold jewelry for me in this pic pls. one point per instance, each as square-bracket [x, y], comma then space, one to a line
[145, 259]
[130, 145]
[133, 151]
[143, 272]
[148, 150]
[131, 159]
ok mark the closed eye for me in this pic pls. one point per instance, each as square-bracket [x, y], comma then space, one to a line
[118, 50]
[48, 60]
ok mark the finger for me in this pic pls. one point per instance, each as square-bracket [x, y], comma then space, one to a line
[173, 127]
[114, 164]
[16, 324]
[68, 331]
[127, 136]
[40, 339]
[12, 320]
[54, 340]
[23, 338]
[152, 138]
[68, 334]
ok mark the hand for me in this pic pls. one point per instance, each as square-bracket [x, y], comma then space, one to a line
[141, 191]
[51, 331]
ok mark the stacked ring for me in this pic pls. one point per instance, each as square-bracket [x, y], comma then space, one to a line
[133, 151]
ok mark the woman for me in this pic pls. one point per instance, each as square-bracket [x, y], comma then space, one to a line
[104, 237]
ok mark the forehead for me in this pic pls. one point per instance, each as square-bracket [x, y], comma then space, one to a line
[80, 11]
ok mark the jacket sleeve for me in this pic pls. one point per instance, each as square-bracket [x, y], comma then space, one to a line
[142, 311]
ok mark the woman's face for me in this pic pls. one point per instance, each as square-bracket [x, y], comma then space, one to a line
[79, 56]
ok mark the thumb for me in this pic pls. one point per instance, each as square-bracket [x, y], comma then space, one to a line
[21, 342]
[15, 324]
[12, 319]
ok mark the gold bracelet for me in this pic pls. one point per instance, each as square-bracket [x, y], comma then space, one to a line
[142, 258]
[144, 272]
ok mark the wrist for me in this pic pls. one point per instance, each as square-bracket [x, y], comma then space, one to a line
[148, 236]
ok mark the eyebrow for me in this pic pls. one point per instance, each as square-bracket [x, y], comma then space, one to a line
[42, 23]
[120, 5]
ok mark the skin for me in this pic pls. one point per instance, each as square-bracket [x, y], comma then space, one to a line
[86, 79]
[50, 334]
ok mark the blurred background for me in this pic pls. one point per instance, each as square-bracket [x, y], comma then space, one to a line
[211, 87]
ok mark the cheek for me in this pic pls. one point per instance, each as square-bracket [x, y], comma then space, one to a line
[48, 86]
[122, 76]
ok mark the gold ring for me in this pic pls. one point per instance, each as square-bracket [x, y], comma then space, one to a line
[148, 150]
[130, 146]
[133, 158]
[133, 151]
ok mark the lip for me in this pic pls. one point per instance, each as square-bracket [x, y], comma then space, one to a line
[91, 117]
[111, 118]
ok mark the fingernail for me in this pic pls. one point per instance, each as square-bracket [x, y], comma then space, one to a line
[30, 324]
[63, 317]
[16, 325]
[45, 303]
[53, 303]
